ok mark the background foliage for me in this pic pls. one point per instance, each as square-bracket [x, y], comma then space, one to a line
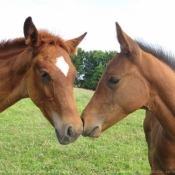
[90, 66]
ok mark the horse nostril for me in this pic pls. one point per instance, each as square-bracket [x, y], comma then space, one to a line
[70, 131]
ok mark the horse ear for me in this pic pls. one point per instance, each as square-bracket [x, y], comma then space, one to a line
[73, 43]
[30, 32]
[123, 39]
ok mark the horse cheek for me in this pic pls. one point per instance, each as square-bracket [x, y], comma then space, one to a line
[132, 99]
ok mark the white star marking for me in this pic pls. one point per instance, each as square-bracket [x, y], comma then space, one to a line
[62, 65]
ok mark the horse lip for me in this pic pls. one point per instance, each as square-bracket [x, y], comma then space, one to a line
[94, 133]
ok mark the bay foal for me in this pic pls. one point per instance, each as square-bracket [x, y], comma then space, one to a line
[38, 66]
[140, 76]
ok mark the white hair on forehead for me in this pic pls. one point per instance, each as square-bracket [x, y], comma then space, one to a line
[62, 65]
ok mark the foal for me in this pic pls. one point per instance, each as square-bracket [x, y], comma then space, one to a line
[39, 67]
[137, 78]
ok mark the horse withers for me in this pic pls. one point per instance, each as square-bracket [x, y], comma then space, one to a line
[140, 76]
[38, 66]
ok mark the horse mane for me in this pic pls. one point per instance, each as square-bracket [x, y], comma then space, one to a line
[159, 52]
[18, 44]
[6, 44]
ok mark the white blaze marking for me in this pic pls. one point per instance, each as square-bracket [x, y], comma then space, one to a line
[62, 65]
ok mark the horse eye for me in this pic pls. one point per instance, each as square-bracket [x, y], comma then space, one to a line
[45, 76]
[113, 80]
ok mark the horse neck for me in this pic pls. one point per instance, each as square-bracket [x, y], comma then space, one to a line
[13, 74]
[161, 82]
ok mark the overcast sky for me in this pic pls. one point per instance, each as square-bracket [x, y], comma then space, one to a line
[152, 20]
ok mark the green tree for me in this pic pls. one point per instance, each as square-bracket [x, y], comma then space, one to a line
[90, 66]
[77, 60]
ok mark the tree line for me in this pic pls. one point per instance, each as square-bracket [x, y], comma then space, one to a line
[90, 66]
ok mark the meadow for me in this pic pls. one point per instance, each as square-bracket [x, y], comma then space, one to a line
[28, 145]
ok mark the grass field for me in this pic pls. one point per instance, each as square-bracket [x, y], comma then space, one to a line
[29, 146]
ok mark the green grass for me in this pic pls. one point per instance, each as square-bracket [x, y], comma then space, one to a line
[29, 146]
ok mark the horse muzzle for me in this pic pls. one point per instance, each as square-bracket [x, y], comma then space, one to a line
[91, 129]
[68, 134]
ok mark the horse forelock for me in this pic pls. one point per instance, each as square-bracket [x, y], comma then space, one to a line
[49, 38]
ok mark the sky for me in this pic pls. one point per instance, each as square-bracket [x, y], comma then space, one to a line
[151, 20]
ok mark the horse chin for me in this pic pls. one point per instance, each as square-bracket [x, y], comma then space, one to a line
[96, 132]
